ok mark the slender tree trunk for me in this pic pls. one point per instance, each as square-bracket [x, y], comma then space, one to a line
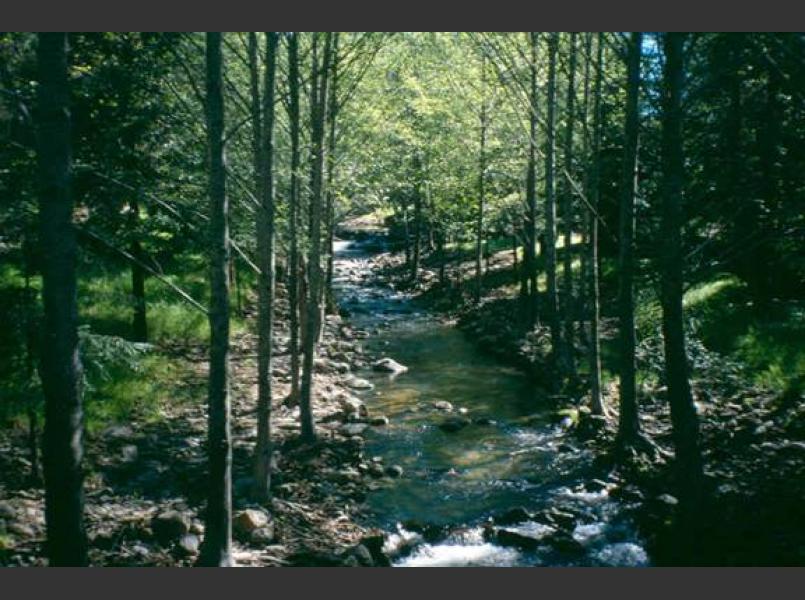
[216, 549]
[550, 211]
[530, 254]
[330, 304]
[139, 324]
[584, 221]
[318, 123]
[479, 219]
[628, 423]
[265, 250]
[61, 371]
[595, 187]
[417, 249]
[685, 422]
[568, 312]
[293, 212]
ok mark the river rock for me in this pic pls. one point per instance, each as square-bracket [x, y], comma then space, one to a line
[352, 429]
[129, 453]
[512, 516]
[379, 421]
[509, 537]
[7, 511]
[357, 383]
[351, 405]
[170, 525]
[453, 424]
[249, 520]
[263, 536]
[394, 471]
[389, 365]
[443, 405]
[188, 544]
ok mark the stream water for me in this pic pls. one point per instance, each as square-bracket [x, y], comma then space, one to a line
[513, 454]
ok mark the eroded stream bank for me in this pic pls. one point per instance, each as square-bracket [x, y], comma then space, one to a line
[489, 477]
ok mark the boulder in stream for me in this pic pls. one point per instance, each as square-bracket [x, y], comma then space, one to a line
[389, 365]
[453, 424]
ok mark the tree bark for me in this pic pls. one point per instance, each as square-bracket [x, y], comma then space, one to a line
[293, 212]
[330, 304]
[530, 250]
[567, 216]
[265, 251]
[319, 115]
[596, 402]
[479, 219]
[216, 549]
[60, 363]
[628, 423]
[684, 420]
[550, 211]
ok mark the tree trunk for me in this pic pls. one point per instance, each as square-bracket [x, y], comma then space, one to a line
[330, 304]
[293, 212]
[139, 323]
[31, 353]
[596, 402]
[628, 423]
[683, 412]
[60, 365]
[319, 115]
[550, 211]
[217, 547]
[479, 219]
[567, 217]
[265, 251]
[417, 249]
[530, 250]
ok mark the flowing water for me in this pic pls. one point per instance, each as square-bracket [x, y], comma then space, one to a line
[513, 454]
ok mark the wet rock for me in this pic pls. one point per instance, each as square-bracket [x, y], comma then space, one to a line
[376, 470]
[21, 530]
[249, 520]
[119, 433]
[443, 405]
[515, 539]
[389, 365]
[667, 499]
[169, 526]
[566, 544]
[357, 383]
[394, 471]
[129, 453]
[188, 544]
[484, 421]
[379, 421]
[453, 424]
[375, 543]
[352, 429]
[7, 510]
[512, 516]
[263, 536]
[351, 405]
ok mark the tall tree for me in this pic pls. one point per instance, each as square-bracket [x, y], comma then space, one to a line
[530, 250]
[265, 251]
[60, 364]
[479, 218]
[628, 423]
[293, 212]
[311, 334]
[332, 110]
[683, 412]
[216, 549]
[550, 207]
[594, 195]
[567, 212]
[139, 323]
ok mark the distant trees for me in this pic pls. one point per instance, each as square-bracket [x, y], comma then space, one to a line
[216, 550]
[60, 368]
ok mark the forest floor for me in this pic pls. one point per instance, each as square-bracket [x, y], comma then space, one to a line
[752, 436]
[146, 479]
